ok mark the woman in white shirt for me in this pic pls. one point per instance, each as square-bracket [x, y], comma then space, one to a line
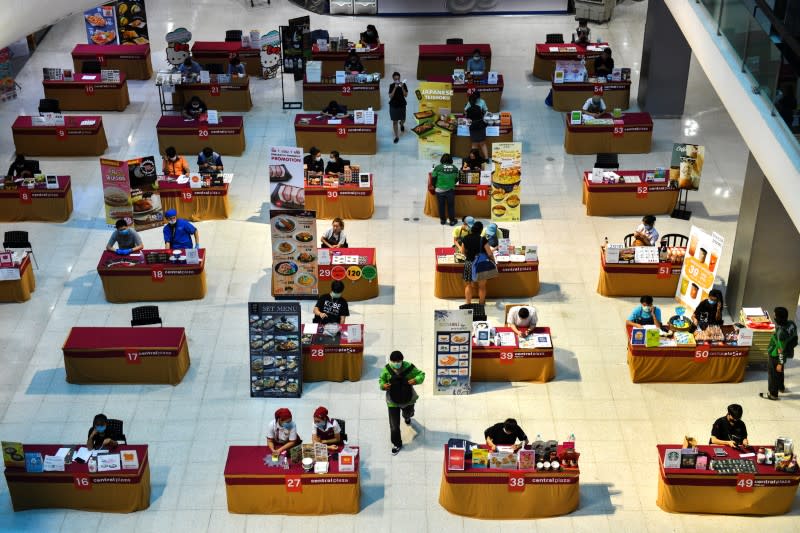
[326, 429]
[282, 432]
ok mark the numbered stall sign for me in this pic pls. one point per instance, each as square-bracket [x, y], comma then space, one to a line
[202, 132]
[157, 274]
[516, 482]
[317, 352]
[101, 60]
[701, 355]
[82, 481]
[341, 132]
[641, 191]
[745, 482]
[133, 357]
[459, 60]
[88, 89]
[332, 195]
[25, 196]
[506, 358]
[347, 90]
[619, 128]
[214, 89]
[664, 270]
[482, 192]
[186, 196]
[61, 133]
[294, 484]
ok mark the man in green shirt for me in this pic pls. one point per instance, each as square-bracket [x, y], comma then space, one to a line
[781, 347]
[444, 178]
[398, 379]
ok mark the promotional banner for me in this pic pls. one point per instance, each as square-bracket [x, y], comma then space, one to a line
[116, 190]
[178, 46]
[276, 360]
[686, 166]
[270, 54]
[145, 198]
[350, 265]
[453, 349]
[294, 253]
[8, 86]
[506, 193]
[434, 98]
[296, 46]
[700, 267]
[131, 21]
[463, 7]
[286, 176]
[101, 25]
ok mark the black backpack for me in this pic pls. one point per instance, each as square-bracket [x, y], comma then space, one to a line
[400, 392]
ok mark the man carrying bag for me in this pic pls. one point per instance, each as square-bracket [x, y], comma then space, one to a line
[398, 379]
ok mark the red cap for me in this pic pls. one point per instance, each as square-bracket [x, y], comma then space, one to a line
[321, 412]
[282, 414]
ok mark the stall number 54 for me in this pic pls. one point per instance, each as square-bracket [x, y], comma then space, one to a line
[516, 483]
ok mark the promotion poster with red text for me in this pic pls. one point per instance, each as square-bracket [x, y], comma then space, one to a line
[700, 266]
[116, 190]
[294, 253]
[286, 177]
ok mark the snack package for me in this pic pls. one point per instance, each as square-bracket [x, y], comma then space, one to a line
[480, 458]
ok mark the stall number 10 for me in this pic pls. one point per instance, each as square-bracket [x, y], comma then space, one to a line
[516, 483]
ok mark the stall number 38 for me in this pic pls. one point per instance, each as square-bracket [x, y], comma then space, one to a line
[516, 483]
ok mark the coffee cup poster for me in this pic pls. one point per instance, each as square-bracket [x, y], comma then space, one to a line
[686, 166]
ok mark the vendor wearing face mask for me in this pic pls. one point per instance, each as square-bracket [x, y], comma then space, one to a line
[335, 164]
[505, 433]
[99, 436]
[126, 239]
[645, 315]
[645, 233]
[313, 161]
[326, 430]
[281, 432]
[476, 64]
[709, 311]
[174, 164]
[178, 232]
[331, 308]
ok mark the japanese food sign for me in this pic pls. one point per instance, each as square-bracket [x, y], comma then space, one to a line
[506, 182]
[276, 359]
[700, 266]
[453, 351]
[294, 253]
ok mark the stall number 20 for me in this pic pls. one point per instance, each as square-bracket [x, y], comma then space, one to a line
[516, 483]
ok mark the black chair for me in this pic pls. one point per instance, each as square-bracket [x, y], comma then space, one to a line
[454, 40]
[114, 430]
[145, 315]
[18, 240]
[504, 232]
[554, 38]
[91, 67]
[49, 105]
[674, 239]
[215, 68]
[607, 161]
[628, 239]
[233, 36]
[478, 311]
[342, 433]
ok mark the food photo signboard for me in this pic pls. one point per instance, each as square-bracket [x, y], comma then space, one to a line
[453, 350]
[686, 166]
[286, 177]
[276, 361]
[101, 25]
[294, 253]
[145, 198]
[506, 193]
[116, 190]
[700, 266]
[131, 21]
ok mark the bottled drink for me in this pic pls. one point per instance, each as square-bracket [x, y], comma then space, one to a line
[92, 464]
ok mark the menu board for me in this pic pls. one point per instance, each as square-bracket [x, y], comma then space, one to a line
[116, 190]
[700, 267]
[294, 253]
[276, 360]
[131, 21]
[145, 198]
[286, 177]
[453, 349]
[506, 193]
[686, 166]
[101, 25]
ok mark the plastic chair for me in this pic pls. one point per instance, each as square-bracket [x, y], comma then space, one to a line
[233, 36]
[454, 40]
[215, 68]
[342, 434]
[674, 239]
[18, 240]
[607, 161]
[554, 38]
[49, 105]
[478, 311]
[91, 67]
[504, 232]
[115, 431]
[145, 315]
[628, 239]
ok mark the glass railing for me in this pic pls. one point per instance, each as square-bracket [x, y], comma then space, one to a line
[768, 61]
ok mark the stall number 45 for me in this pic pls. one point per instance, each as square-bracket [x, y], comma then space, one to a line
[516, 483]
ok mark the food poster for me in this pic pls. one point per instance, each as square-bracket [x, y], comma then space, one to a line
[276, 359]
[506, 182]
[433, 140]
[145, 198]
[131, 22]
[286, 177]
[116, 190]
[101, 25]
[700, 266]
[294, 253]
[686, 166]
[453, 349]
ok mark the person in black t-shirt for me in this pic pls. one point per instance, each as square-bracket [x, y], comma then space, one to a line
[505, 434]
[99, 436]
[604, 63]
[471, 246]
[729, 430]
[334, 109]
[313, 161]
[709, 311]
[331, 308]
[474, 160]
[397, 105]
[353, 63]
[335, 164]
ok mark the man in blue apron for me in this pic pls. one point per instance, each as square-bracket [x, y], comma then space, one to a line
[178, 232]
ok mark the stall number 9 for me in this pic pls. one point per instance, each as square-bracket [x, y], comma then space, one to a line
[516, 483]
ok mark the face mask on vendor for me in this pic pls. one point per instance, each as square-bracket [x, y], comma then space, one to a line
[172, 220]
[476, 57]
[286, 424]
[321, 425]
[124, 231]
[100, 429]
[336, 295]
[319, 158]
[711, 302]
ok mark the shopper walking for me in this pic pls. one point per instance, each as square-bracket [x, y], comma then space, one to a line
[781, 347]
[397, 105]
[398, 379]
[477, 126]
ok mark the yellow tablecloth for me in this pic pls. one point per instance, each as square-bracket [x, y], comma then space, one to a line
[206, 204]
[40, 209]
[634, 135]
[19, 290]
[317, 96]
[72, 96]
[358, 204]
[724, 364]
[138, 284]
[572, 96]
[467, 203]
[485, 494]
[625, 279]
[527, 365]
[511, 283]
[604, 200]
[354, 291]
[234, 96]
[339, 363]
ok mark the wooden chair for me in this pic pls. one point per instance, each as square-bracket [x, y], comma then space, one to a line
[674, 239]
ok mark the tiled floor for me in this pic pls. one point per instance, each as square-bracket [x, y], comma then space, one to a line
[189, 427]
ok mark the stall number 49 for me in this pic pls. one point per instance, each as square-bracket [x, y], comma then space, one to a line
[516, 483]
[745, 482]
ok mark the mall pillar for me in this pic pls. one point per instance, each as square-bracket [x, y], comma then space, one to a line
[766, 251]
[665, 64]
